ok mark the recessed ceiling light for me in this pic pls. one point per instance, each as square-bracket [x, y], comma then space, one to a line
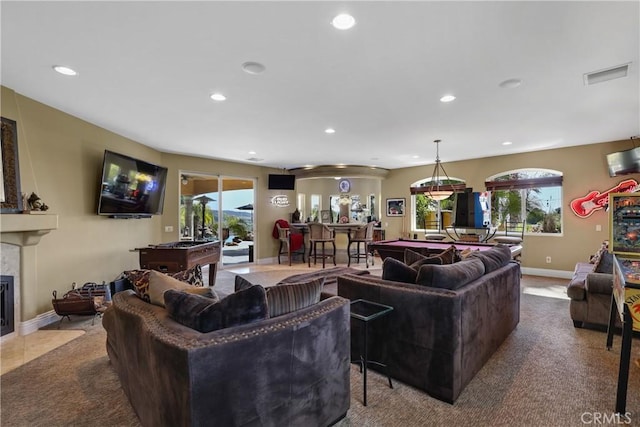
[252, 152]
[415, 156]
[447, 98]
[218, 97]
[510, 83]
[343, 21]
[329, 130]
[253, 68]
[65, 70]
[507, 143]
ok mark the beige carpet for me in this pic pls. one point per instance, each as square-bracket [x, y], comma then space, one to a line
[546, 374]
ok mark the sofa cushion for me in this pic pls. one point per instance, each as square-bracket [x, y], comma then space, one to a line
[287, 297]
[398, 271]
[493, 258]
[139, 279]
[159, 283]
[450, 276]
[200, 313]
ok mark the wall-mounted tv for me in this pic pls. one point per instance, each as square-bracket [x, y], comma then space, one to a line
[282, 182]
[624, 162]
[130, 188]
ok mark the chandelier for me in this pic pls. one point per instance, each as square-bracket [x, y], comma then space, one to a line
[436, 190]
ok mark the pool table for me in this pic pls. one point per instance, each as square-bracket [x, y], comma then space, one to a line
[395, 248]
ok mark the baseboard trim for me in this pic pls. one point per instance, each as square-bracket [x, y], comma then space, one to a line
[544, 272]
[41, 320]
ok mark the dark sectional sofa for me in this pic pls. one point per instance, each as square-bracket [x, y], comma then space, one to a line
[289, 370]
[437, 339]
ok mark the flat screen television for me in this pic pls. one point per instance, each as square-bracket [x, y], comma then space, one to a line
[130, 188]
[624, 162]
[282, 182]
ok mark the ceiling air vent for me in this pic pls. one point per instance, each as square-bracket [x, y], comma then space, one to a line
[606, 74]
[254, 159]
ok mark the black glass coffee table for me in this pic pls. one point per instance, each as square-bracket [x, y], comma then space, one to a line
[367, 311]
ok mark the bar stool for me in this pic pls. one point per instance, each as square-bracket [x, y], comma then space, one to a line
[362, 235]
[321, 234]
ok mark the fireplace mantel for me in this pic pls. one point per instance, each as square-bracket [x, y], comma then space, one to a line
[26, 229]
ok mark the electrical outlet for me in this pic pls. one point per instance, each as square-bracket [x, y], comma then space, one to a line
[168, 228]
[598, 227]
[548, 260]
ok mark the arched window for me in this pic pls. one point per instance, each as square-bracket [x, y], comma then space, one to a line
[534, 195]
[433, 215]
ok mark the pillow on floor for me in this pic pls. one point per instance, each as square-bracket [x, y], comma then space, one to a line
[200, 313]
[159, 283]
[139, 279]
[284, 298]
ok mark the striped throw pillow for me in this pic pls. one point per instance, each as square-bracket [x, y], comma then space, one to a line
[285, 298]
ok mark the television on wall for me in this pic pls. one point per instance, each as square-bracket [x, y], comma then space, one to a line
[624, 162]
[282, 182]
[130, 187]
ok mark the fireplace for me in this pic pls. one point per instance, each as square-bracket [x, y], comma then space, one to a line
[7, 321]
[19, 237]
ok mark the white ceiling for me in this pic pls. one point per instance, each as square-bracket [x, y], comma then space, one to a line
[146, 70]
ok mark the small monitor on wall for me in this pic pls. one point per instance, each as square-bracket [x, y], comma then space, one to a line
[282, 182]
[624, 162]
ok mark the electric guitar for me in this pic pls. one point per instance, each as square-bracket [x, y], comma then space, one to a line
[585, 206]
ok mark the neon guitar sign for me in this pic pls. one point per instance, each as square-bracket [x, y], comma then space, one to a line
[594, 201]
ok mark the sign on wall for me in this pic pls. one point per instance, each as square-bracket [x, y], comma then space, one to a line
[595, 200]
[280, 201]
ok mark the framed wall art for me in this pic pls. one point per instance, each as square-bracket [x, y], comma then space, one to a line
[10, 195]
[395, 207]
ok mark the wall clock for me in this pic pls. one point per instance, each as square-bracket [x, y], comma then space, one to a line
[344, 185]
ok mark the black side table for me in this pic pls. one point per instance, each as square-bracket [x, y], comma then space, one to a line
[366, 311]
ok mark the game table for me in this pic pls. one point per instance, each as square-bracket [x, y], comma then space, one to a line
[395, 248]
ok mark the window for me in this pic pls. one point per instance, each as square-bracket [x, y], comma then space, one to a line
[534, 195]
[433, 215]
[316, 205]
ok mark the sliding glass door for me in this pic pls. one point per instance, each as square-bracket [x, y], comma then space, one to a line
[217, 208]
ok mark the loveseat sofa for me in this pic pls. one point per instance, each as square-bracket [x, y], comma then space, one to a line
[590, 290]
[289, 370]
[443, 330]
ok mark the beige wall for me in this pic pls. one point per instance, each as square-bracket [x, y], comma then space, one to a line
[584, 169]
[61, 158]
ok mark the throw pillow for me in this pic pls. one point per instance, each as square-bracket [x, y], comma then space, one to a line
[493, 258]
[241, 283]
[415, 259]
[466, 252]
[193, 275]
[288, 297]
[398, 271]
[159, 283]
[605, 263]
[450, 276]
[449, 255]
[139, 279]
[200, 313]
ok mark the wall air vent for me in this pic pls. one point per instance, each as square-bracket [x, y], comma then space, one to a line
[606, 74]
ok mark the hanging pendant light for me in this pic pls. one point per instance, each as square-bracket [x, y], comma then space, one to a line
[436, 190]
